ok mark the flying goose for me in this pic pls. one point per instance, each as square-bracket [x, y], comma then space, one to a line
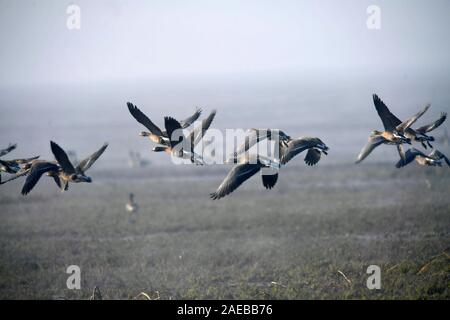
[433, 159]
[418, 135]
[154, 133]
[394, 131]
[248, 165]
[62, 171]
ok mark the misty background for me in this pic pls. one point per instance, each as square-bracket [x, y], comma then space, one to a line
[306, 67]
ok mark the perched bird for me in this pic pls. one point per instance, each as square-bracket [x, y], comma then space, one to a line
[433, 159]
[394, 132]
[131, 206]
[248, 165]
[154, 133]
[8, 149]
[62, 171]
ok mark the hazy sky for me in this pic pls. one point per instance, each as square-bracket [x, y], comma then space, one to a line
[133, 39]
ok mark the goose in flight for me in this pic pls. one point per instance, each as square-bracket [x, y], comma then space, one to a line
[433, 159]
[418, 135]
[249, 165]
[394, 131]
[154, 133]
[62, 171]
[183, 147]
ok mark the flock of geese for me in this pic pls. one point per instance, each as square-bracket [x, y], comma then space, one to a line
[396, 132]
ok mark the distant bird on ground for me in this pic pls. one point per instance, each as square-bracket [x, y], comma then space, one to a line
[136, 160]
[8, 149]
[433, 159]
[62, 171]
[394, 132]
[249, 165]
[131, 206]
[154, 133]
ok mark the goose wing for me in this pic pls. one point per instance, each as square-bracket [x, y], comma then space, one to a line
[433, 125]
[22, 161]
[390, 121]
[15, 176]
[269, 180]
[312, 156]
[409, 122]
[171, 126]
[410, 155]
[143, 119]
[293, 148]
[238, 175]
[89, 161]
[437, 155]
[35, 173]
[8, 149]
[374, 141]
[62, 158]
[196, 135]
[188, 121]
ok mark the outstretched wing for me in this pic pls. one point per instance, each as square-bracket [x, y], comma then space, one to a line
[89, 161]
[171, 126]
[437, 155]
[312, 156]
[14, 177]
[294, 147]
[238, 175]
[35, 173]
[62, 158]
[368, 148]
[188, 121]
[433, 125]
[143, 119]
[410, 155]
[8, 149]
[408, 122]
[23, 161]
[390, 121]
[269, 180]
[196, 135]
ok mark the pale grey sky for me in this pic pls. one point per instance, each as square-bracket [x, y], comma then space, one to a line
[122, 40]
